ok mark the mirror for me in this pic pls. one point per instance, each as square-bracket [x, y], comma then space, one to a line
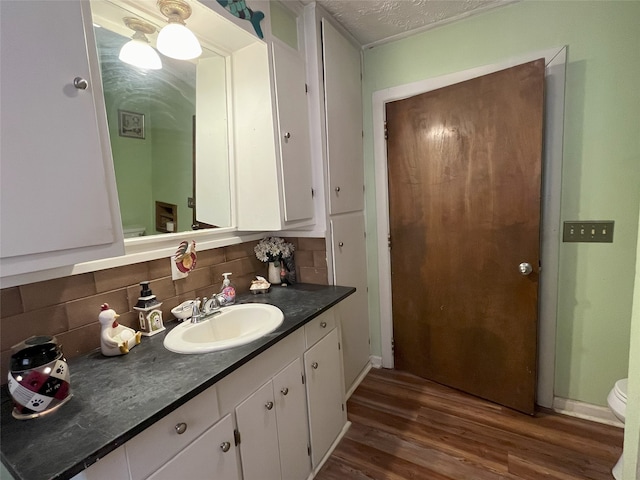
[168, 129]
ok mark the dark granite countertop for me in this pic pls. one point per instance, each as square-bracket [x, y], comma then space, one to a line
[115, 398]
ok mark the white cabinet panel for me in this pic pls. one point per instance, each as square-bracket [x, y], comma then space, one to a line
[58, 200]
[343, 104]
[291, 413]
[256, 418]
[324, 394]
[293, 130]
[350, 269]
[148, 450]
[114, 465]
[213, 456]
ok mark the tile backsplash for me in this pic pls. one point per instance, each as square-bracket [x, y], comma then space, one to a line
[68, 307]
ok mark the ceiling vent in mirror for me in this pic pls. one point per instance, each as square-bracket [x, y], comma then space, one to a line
[175, 40]
[137, 51]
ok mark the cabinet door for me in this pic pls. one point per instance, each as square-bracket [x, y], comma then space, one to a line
[293, 129]
[350, 268]
[213, 455]
[256, 418]
[343, 104]
[58, 200]
[324, 394]
[291, 413]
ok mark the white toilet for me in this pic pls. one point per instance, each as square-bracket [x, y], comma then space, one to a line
[617, 401]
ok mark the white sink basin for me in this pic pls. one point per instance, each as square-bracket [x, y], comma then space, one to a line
[233, 326]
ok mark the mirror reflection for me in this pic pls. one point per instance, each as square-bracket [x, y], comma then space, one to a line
[168, 130]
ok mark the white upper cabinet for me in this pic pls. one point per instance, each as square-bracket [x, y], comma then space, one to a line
[343, 104]
[293, 129]
[271, 132]
[58, 197]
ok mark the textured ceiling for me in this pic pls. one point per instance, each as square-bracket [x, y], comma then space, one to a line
[373, 21]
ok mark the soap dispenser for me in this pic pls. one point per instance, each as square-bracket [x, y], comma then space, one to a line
[228, 290]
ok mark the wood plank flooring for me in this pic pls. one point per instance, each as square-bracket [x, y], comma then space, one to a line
[404, 427]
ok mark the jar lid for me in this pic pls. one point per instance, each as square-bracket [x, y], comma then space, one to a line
[34, 352]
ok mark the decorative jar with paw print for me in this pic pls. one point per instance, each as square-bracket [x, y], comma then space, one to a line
[39, 380]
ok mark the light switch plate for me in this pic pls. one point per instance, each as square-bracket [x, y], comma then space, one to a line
[593, 231]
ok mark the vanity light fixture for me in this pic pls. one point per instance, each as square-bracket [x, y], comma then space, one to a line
[137, 51]
[175, 40]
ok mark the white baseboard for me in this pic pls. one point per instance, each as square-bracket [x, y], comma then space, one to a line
[358, 380]
[376, 361]
[330, 451]
[586, 411]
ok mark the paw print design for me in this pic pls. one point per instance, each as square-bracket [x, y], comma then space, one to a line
[35, 403]
[60, 369]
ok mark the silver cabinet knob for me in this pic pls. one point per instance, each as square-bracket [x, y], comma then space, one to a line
[525, 268]
[80, 83]
[225, 446]
[269, 405]
[323, 324]
[287, 135]
[284, 391]
[181, 428]
[337, 189]
[341, 244]
[314, 365]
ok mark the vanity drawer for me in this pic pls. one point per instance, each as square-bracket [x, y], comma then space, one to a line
[319, 327]
[153, 447]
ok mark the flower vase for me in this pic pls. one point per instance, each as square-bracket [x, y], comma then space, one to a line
[274, 273]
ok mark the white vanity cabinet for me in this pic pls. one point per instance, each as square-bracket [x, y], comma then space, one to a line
[151, 449]
[58, 200]
[273, 428]
[213, 455]
[324, 394]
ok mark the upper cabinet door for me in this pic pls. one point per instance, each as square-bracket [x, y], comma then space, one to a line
[58, 198]
[293, 130]
[343, 102]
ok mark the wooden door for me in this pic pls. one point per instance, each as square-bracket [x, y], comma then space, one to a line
[464, 191]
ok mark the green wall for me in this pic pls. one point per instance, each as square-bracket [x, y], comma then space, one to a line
[601, 166]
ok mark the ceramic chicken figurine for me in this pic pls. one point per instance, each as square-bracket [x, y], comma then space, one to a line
[115, 339]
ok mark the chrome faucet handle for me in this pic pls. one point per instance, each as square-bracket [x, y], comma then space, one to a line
[196, 316]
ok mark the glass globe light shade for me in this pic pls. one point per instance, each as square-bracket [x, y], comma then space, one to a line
[140, 54]
[177, 41]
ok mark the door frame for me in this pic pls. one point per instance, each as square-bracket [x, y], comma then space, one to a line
[555, 66]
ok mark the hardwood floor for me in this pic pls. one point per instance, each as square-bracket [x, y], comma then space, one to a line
[404, 427]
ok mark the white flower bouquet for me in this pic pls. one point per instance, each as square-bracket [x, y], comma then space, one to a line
[273, 249]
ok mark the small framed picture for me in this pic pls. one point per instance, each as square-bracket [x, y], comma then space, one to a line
[131, 124]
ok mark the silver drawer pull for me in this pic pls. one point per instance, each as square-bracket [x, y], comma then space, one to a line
[323, 324]
[269, 405]
[337, 189]
[181, 428]
[314, 365]
[284, 391]
[225, 446]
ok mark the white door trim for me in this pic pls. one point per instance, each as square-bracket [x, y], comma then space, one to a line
[555, 61]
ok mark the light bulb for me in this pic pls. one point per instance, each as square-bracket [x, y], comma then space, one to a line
[177, 41]
[140, 54]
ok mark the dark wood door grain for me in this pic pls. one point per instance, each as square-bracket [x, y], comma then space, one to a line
[405, 427]
[464, 192]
